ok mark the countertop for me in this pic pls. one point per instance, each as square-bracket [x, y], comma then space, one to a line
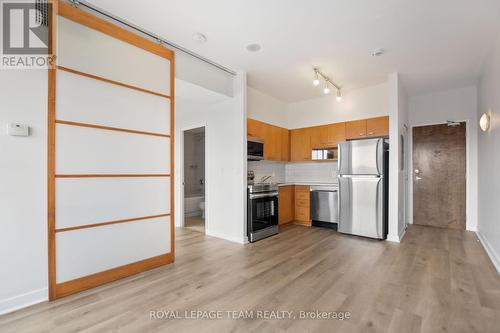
[308, 184]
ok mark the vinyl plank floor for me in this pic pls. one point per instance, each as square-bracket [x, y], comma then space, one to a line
[436, 280]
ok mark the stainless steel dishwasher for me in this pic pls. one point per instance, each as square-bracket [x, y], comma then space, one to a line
[325, 206]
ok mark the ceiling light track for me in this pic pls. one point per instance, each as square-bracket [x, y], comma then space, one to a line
[155, 37]
[328, 82]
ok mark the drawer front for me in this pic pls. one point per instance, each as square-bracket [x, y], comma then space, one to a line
[302, 196]
[301, 188]
[302, 214]
[302, 203]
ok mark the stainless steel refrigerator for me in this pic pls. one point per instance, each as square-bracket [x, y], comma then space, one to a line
[363, 187]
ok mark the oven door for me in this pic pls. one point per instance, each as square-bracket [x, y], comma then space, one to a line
[262, 211]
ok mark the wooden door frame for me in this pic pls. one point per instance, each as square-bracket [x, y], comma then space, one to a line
[181, 173]
[468, 189]
[57, 290]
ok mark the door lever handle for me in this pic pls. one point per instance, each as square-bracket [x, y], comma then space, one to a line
[418, 178]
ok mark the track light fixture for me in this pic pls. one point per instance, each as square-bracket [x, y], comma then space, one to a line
[328, 82]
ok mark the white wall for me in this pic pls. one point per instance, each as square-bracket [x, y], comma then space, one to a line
[225, 135]
[489, 157]
[455, 105]
[197, 72]
[266, 108]
[356, 104]
[23, 190]
[398, 114]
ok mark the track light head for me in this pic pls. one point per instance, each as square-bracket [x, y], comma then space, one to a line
[316, 78]
[326, 90]
[339, 95]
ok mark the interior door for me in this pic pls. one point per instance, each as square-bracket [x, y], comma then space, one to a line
[439, 175]
[110, 154]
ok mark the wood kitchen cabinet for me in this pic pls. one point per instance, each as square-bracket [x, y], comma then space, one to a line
[335, 134]
[272, 143]
[286, 204]
[285, 144]
[300, 144]
[281, 144]
[255, 128]
[302, 205]
[327, 136]
[355, 129]
[367, 128]
[377, 127]
[319, 136]
[276, 139]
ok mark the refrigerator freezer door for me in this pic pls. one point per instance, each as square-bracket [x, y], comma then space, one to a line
[361, 157]
[361, 206]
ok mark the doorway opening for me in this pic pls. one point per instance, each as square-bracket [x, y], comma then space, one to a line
[440, 175]
[194, 179]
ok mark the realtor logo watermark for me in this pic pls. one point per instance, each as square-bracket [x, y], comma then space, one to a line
[25, 35]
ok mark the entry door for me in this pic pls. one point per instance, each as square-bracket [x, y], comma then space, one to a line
[439, 183]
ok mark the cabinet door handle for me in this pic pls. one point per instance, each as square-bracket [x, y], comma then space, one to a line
[370, 133]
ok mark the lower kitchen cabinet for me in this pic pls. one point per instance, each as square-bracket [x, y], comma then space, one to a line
[302, 205]
[286, 204]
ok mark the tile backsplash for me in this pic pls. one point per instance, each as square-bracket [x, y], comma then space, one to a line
[268, 168]
[315, 172]
[281, 172]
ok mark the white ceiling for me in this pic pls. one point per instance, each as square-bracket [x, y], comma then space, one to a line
[433, 44]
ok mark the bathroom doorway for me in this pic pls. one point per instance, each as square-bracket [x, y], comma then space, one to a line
[194, 179]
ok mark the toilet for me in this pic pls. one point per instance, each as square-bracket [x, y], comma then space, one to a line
[202, 207]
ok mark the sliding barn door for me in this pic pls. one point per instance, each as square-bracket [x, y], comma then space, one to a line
[110, 154]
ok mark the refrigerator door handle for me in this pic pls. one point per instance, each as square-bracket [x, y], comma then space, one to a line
[361, 176]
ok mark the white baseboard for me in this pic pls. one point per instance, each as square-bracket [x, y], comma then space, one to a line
[217, 234]
[494, 257]
[21, 301]
[402, 233]
[393, 238]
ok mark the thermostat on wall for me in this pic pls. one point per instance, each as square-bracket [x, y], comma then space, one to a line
[18, 129]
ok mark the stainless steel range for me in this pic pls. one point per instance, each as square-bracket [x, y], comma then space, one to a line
[262, 217]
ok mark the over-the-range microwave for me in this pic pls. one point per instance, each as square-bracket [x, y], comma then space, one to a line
[255, 149]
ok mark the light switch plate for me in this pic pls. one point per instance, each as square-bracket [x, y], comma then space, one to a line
[16, 129]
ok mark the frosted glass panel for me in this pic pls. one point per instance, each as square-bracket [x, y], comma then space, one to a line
[86, 100]
[93, 52]
[89, 150]
[88, 251]
[82, 201]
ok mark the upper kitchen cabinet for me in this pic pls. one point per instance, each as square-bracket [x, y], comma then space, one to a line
[355, 129]
[319, 136]
[255, 128]
[276, 139]
[377, 127]
[272, 143]
[327, 136]
[367, 128]
[300, 144]
[285, 144]
[335, 134]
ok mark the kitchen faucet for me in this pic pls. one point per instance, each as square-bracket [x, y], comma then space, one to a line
[263, 179]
